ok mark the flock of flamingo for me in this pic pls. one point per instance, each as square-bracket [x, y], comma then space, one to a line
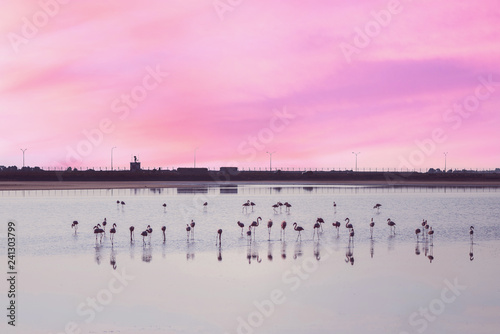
[425, 230]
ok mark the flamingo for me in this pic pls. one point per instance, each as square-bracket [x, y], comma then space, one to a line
[75, 225]
[351, 234]
[245, 205]
[269, 225]
[417, 232]
[240, 224]
[205, 204]
[131, 228]
[117, 202]
[112, 231]
[163, 229]
[471, 233]
[188, 230]
[249, 233]
[192, 227]
[150, 230]
[392, 225]
[283, 227]
[122, 203]
[144, 234]
[377, 206]
[98, 230]
[372, 224]
[298, 229]
[424, 223]
[316, 226]
[219, 234]
[280, 205]
[275, 206]
[431, 233]
[348, 224]
[104, 223]
[254, 224]
[320, 221]
[287, 206]
[334, 205]
[164, 205]
[252, 204]
[336, 225]
[426, 227]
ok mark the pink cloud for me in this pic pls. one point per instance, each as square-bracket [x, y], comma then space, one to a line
[227, 76]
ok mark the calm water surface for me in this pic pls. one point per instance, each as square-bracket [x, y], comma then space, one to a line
[386, 284]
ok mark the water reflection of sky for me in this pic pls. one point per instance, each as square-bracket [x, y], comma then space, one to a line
[385, 284]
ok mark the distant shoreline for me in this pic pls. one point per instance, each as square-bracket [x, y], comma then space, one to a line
[71, 185]
[192, 177]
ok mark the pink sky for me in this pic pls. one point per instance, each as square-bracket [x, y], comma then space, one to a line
[226, 76]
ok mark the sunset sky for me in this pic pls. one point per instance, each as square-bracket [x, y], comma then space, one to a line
[399, 81]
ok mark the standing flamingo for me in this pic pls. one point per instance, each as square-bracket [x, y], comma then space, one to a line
[245, 206]
[424, 223]
[425, 231]
[269, 225]
[254, 224]
[283, 227]
[131, 228]
[192, 227]
[431, 234]
[98, 230]
[348, 224]
[75, 225]
[252, 204]
[287, 206]
[392, 225]
[150, 231]
[112, 231]
[316, 226]
[275, 206]
[240, 224]
[144, 234]
[372, 224]
[219, 235]
[163, 229]
[249, 234]
[104, 223]
[471, 233]
[336, 225]
[188, 230]
[417, 232]
[377, 206]
[351, 235]
[298, 229]
[279, 205]
[320, 221]
[334, 205]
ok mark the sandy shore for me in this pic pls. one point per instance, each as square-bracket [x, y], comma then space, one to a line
[50, 185]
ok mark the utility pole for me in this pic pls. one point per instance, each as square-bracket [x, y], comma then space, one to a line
[356, 154]
[271, 159]
[24, 150]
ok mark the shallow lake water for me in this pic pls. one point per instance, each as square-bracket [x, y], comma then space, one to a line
[386, 283]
